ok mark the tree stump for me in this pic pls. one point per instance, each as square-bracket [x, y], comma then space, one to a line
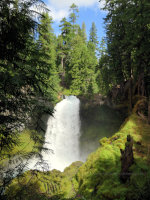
[126, 159]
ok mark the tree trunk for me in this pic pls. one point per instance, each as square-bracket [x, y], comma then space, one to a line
[149, 110]
[62, 62]
[126, 159]
[130, 96]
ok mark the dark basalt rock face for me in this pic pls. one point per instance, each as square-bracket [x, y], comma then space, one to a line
[126, 159]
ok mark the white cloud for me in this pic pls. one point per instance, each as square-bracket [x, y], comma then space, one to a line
[58, 14]
[60, 8]
[61, 4]
[101, 3]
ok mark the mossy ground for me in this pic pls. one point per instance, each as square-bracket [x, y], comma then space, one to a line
[98, 178]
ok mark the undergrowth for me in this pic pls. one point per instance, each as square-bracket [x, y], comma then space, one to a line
[99, 177]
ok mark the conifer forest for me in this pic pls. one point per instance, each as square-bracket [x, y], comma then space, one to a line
[74, 107]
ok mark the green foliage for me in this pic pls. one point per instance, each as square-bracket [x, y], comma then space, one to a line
[82, 68]
[54, 184]
[98, 177]
[77, 59]
[29, 68]
[83, 32]
[73, 15]
[93, 35]
[47, 55]
[28, 79]
[15, 161]
[66, 32]
[28, 140]
[127, 36]
[103, 70]
[21, 78]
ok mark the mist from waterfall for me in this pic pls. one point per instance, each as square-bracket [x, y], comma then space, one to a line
[63, 134]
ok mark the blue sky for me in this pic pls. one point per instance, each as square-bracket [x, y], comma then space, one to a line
[89, 11]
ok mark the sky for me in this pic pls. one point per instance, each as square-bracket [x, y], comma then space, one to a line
[89, 11]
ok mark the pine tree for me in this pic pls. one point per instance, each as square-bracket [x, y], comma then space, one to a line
[66, 33]
[127, 30]
[93, 35]
[73, 17]
[82, 68]
[63, 48]
[83, 32]
[47, 57]
[20, 80]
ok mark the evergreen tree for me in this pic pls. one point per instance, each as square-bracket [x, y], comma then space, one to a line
[60, 54]
[66, 28]
[93, 35]
[64, 45]
[47, 57]
[82, 68]
[73, 17]
[83, 31]
[103, 70]
[22, 83]
[128, 34]
[20, 79]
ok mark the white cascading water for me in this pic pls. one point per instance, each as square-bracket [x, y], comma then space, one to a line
[63, 134]
[62, 137]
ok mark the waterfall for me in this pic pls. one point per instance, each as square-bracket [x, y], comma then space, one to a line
[62, 135]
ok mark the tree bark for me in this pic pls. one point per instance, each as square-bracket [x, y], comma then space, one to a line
[126, 159]
[130, 95]
[149, 110]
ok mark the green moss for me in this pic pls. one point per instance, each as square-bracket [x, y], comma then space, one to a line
[98, 178]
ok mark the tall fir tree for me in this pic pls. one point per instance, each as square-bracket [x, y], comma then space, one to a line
[82, 68]
[127, 34]
[63, 48]
[73, 13]
[73, 17]
[21, 80]
[93, 35]
[83, 32]
[47, 48]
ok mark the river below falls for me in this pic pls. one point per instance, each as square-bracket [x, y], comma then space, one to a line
[97, 122]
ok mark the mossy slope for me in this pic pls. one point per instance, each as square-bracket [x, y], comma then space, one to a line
[98, 178]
